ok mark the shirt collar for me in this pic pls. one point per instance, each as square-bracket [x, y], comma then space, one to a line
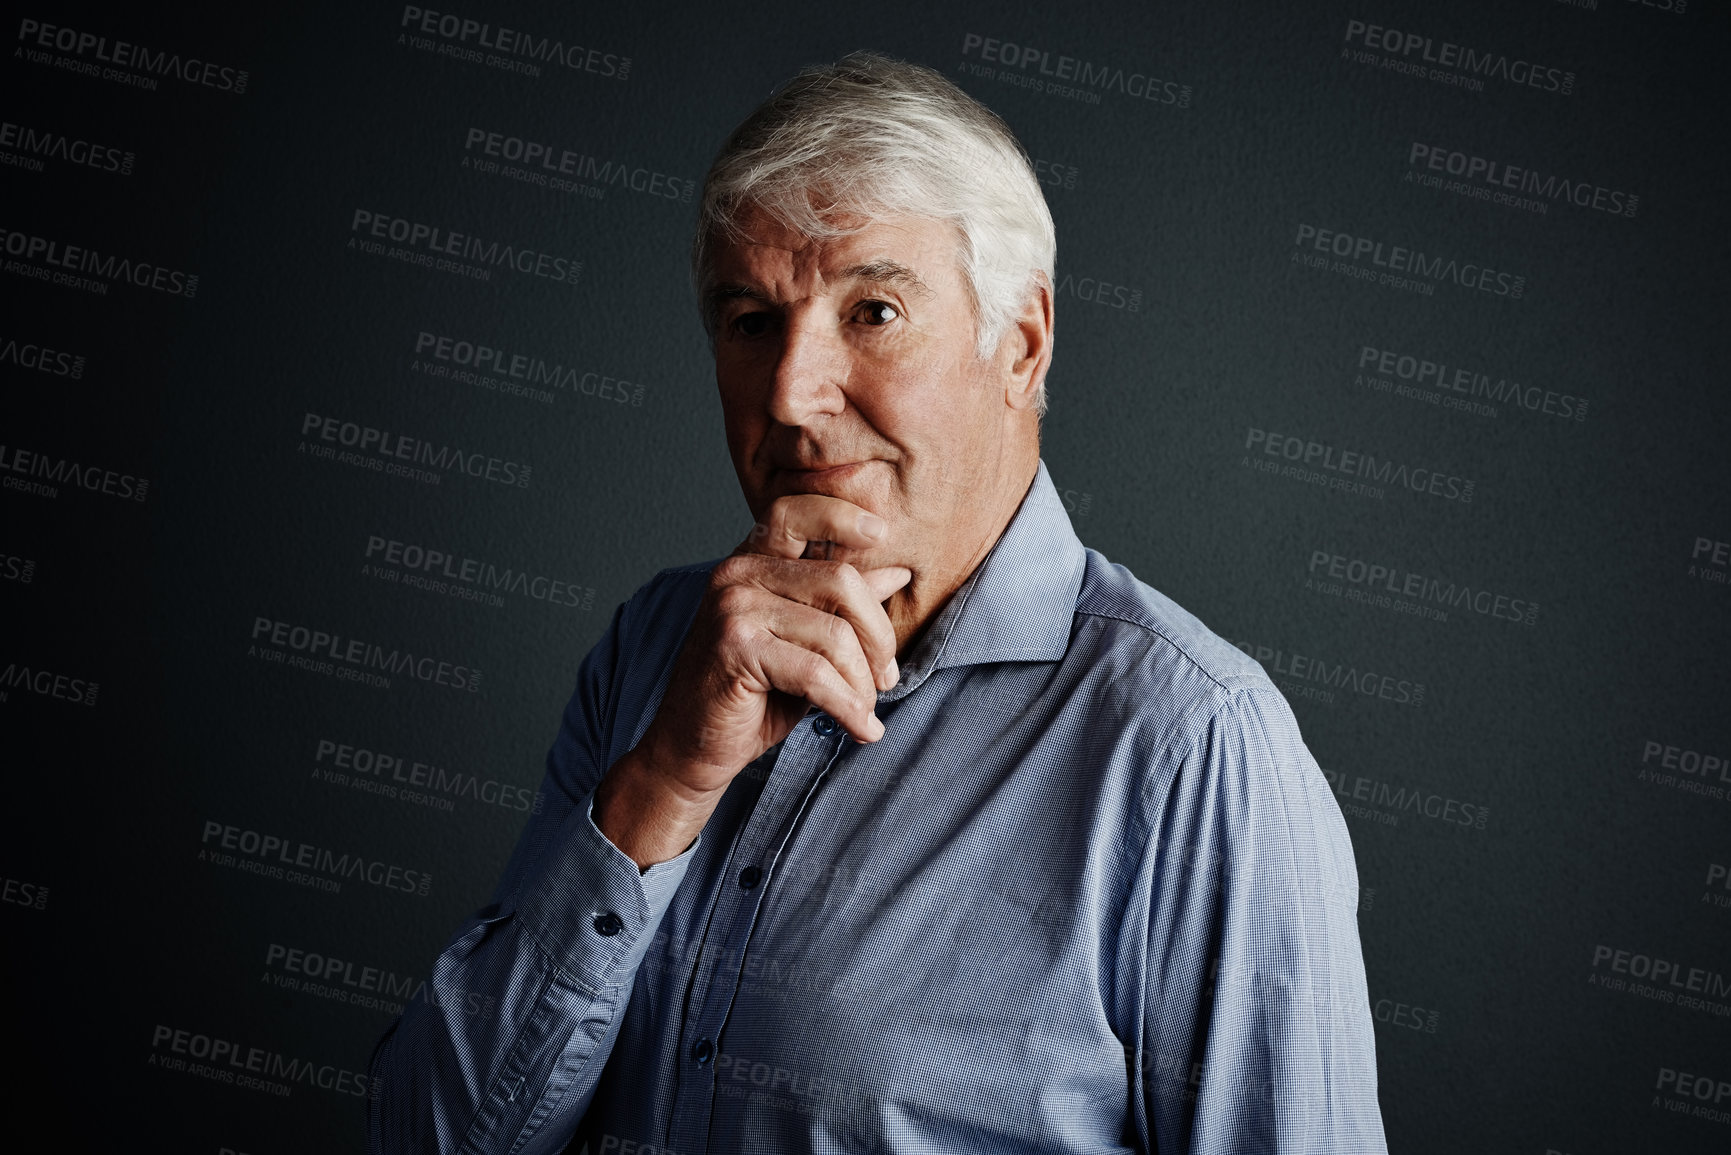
[1018, 603]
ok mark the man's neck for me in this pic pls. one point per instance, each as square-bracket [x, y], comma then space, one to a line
[913, 607]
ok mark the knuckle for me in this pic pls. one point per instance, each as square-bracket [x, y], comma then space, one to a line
[729, 571]
[811, 667]
[731, 600]
[833, 629]
[736, 632]
[779, 519]
[845, 582]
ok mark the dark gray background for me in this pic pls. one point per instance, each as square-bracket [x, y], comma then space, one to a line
[1480, 944]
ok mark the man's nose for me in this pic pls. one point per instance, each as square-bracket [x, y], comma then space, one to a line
[811, 373]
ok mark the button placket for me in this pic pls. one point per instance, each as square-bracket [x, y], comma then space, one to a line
[748, 900]
[805, 758]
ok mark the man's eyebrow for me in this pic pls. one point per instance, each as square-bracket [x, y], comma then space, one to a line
[715, 298]
[888, 272]
[716, 295]
[882, 271]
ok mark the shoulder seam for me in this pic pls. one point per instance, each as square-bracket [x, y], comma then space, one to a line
[1154, 793]
[1225, 682]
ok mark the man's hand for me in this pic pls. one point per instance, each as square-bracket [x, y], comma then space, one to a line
[776, 632]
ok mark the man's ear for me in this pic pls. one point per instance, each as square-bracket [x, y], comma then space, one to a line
[1026, 349]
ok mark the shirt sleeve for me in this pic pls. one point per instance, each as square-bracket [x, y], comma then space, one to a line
[502, 1049]
[1245, 980]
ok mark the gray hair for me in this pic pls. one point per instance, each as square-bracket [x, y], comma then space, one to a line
[870, 135]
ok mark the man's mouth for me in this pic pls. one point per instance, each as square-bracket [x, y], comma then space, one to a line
[830, 473]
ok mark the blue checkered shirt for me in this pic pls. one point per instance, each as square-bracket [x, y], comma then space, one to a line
[1090, 893]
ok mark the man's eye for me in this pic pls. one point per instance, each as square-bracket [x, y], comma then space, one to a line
[751, 324]
[876, 313]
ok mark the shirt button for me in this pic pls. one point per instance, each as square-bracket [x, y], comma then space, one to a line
[702, 1050]
[608, 924]
[749, 877]
[824, 725]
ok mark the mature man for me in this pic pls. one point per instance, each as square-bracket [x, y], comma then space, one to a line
[913, 825]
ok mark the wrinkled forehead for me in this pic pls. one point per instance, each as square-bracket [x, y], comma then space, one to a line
[918, 255]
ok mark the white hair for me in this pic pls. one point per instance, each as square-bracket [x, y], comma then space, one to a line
[873, 136]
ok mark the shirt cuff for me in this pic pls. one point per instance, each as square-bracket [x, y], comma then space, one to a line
[590, 907]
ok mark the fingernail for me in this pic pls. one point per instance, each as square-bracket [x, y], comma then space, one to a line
[895, 672]
[871, 525]
[875, 728]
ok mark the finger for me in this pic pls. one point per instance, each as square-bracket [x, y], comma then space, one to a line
[886, 580]
[883, 582]
[796, 670]
[826, 634]
[835, 588]
[838, 588]
[794, 521]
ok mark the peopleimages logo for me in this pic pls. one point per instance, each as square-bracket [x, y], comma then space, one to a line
[447, 251]
[318, 650]
[1693, 771]
[17, 892]
[1408, 1015]
[1700, 1096]
[1385, 803]
[17, 569]
[509, 48]
[255, 1068]
[1468, 67]
[1098, 292]
[41, 359]
[1367, 468]
[121, 54]
[340, 980]
[35, 145]
[1710, 560]
[1436, 382]
[1397, 259]
[272, 854]
[365, 439]
[1674, 7]
[26, 679]
[398, 777]
[80, 267]
[1507, 180]
[1070, 77]
[1660, 980]
[1319, 678]
[1056, 175]
[569, 170]
[521, 371]
[1662, 972]
[440, 567]
[48, 472]
[1329, 571]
